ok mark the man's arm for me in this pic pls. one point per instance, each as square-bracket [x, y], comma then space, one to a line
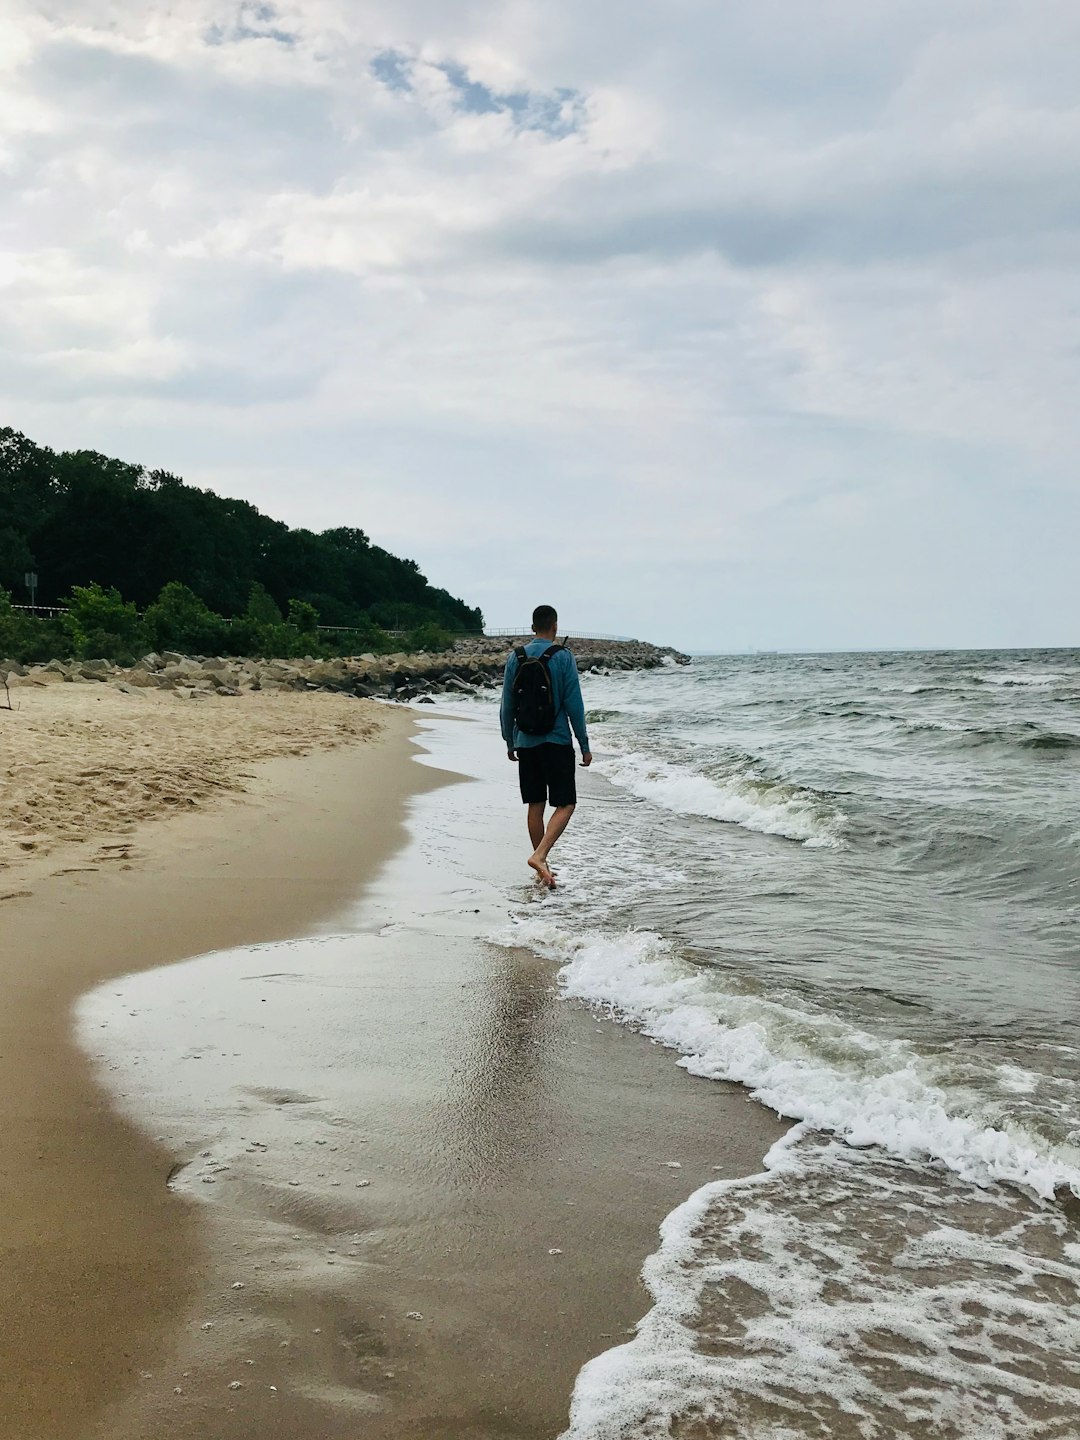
[506, 706]
[575, 706]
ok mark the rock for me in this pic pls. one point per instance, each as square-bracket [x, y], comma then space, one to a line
[147, 679]
[95, 669]
[171, 657]
[453, 683]
[215, 662]
[284, 676]
[12, 667]
[330, 677]
[425, 700]
[367, 658]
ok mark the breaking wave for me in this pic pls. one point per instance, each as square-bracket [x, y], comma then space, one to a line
[808, 1065]
[743, 797]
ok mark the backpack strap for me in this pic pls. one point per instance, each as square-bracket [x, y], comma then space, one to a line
[551, 650]
[519, 651]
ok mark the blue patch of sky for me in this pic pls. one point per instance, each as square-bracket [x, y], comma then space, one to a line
[253, 22]
[392, 69]
[556, 113]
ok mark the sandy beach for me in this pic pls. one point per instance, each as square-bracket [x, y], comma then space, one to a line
[514, 1158]
[98, 1255]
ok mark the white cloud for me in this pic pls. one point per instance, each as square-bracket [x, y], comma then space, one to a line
[763, 313]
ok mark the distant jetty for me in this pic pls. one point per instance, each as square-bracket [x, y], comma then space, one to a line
[474, 663]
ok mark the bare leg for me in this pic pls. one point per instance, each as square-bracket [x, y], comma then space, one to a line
[536, 823]
[560, 818]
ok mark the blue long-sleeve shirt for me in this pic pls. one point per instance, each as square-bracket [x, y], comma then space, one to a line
[566, 692]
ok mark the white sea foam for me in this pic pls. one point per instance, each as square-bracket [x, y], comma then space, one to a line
[741, 798]
[1023, 679]
[805, 1065]
[840, 1292]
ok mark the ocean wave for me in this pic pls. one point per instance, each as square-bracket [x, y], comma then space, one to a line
[1051, 740]
[1035, 680]
[1024, 737]
[769, 1323]
[742, 797]
[1021, 737]
[922, 687]
[803, 1065]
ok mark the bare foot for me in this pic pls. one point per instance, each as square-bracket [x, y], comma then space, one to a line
[543, 873]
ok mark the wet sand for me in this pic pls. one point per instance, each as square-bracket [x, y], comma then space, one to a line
[391, 1122]
[99, 1259]
[387, 1201]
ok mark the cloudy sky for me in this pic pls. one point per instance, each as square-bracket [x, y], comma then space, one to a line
[726, 323]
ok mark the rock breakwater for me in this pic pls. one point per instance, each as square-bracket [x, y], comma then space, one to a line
[475, 663]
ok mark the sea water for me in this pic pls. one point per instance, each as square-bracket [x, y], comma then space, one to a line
[850, 883]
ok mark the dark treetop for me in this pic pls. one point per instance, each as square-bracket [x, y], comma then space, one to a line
[78, 518]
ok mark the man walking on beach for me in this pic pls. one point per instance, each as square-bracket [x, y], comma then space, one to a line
[541, 700]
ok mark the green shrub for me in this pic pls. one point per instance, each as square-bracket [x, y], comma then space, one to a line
[357, 639]
[27, 638]
[180, 620]
[262, 607]
[304, 619]
[428, 637]
[101, 625]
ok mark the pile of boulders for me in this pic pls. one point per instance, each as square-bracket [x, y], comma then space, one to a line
[590, 654]
[473, 664]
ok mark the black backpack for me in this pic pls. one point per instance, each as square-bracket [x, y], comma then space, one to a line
[533, 693]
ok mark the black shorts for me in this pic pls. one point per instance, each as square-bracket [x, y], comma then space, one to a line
[546, 774]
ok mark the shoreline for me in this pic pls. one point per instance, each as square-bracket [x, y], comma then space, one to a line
[400, 1119]
[518, 1154]
[99, 1255]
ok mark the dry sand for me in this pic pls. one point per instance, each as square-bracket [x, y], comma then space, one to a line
[498, 1153]
[79, 762]
[97, 1255]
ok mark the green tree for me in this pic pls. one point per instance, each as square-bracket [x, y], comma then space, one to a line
[101, 625]
[87, 518]
[16, 557]
[428, 637]
[28, 638]
[179, 620]
[262, 607]
[304, 619]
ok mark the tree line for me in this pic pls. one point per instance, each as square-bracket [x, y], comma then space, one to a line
[137, 557]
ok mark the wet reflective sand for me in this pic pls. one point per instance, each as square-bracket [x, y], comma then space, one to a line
[429, 1184]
